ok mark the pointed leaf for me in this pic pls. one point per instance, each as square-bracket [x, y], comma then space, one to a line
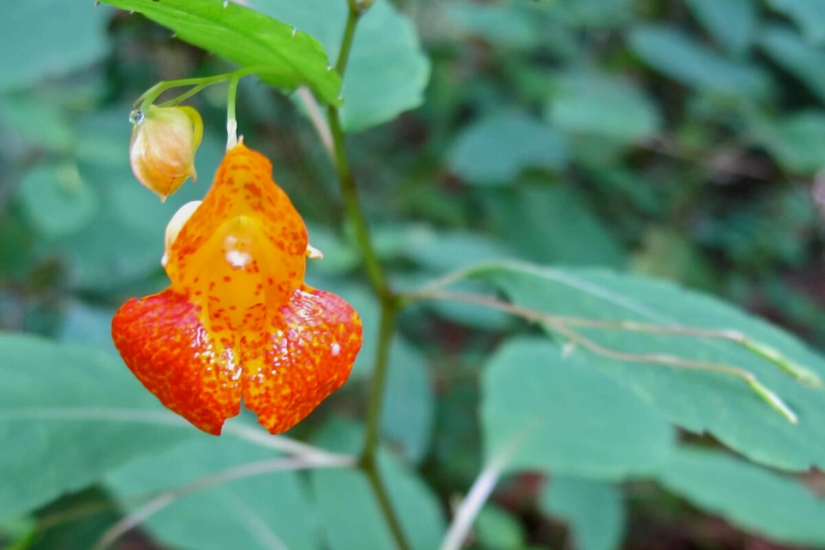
[250, 39]
[698, 401]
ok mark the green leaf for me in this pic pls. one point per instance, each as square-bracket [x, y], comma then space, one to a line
[351, 516]
[677, 55]
[261, 512]
[248, 39]
[409, 402]
[796, 56]
[59, 406]
[499, 24]
[732, 23]
[598, 104]
[90, 326]
[752, 498]
[554, 224]
[809, 15]
[667, 253]
[49, 38]
[537, 402]
[698, 401]
[38, 122]
[495, 150]
[441, 251]
[594, 511]
[387, 70]
[444, 251]
[82, 532]
[593, 13]
[796, 141]
[495, 528]
[56, 200]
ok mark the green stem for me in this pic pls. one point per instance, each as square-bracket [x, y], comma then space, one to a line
[369, 462]
[348, 188]
[389, 301]
[352, 206]
[384, 503]
[150, 95]
[353, 16]
[376, 399]
[183, 97]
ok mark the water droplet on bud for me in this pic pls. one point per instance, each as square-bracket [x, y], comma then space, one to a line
[294, 32]
[136, 116]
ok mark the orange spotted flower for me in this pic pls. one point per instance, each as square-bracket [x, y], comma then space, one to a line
[238, 321]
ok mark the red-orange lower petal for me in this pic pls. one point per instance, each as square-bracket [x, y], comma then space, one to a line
[164, 344]
[307, 354]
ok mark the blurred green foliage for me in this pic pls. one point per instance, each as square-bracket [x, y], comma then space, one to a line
[599, 141]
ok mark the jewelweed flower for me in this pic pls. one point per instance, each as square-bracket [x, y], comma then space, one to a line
[238, 321]
[164, 142]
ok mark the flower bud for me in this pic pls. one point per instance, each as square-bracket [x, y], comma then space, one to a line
[175, 226]
[162, 152]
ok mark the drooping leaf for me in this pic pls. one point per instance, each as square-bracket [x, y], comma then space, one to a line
[588, 103]
[353, 520]
[809, 15]
[796, 56]
[495, 150]
[538, 404]
[266, 511]
[247, 38]
[720, 404]
[749, 496]
[49, 38]
[732, 23]
[387, 71]
[677, 55]
[59, 420]
[594, 511]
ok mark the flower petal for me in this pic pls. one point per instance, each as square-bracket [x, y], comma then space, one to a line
[305, 356]
[165, 345]
[245, 245]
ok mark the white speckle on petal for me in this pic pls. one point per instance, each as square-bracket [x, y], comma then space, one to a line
[335, 349]
[238, 259]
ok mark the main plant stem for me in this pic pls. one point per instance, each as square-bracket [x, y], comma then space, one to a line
[368, 462]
